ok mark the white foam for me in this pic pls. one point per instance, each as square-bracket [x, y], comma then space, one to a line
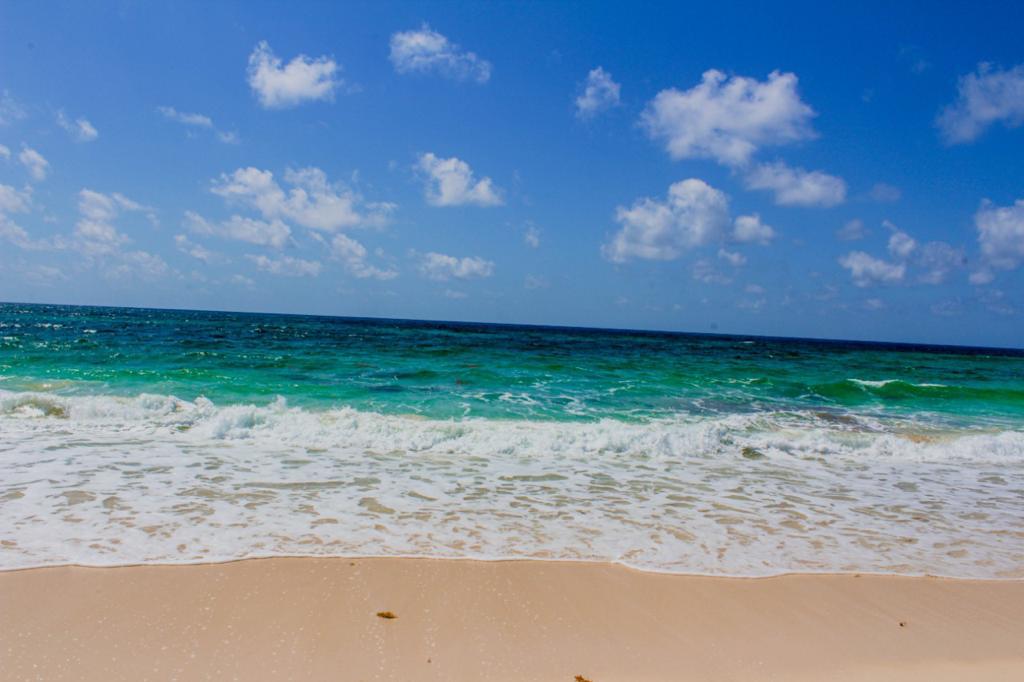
[105, 480]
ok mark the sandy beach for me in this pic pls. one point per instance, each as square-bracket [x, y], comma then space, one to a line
[318, 619]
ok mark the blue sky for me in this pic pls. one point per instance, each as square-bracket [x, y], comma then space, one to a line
[770, 169]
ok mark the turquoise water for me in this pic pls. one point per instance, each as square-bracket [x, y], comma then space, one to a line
[445, 370]
[132, 435]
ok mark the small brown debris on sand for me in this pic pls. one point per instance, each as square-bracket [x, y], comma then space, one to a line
[903, 623]
[386, 615]
[580, 678]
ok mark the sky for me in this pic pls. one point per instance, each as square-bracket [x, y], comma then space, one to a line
[792, 169]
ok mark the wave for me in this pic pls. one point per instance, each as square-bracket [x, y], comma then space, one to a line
[104, 480]
[801, 434]
[895, 390]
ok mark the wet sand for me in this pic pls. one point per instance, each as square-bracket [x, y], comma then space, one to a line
[316, 619]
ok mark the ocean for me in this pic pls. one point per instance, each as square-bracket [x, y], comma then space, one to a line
[163, 436]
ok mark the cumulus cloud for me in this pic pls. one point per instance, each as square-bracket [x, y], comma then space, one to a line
[693, 214]
[10, 109]
[311, 201]
[450, 182]
[80, 129]
[852, 231]
[279, 86]
[733, 258]
[867, 270]
[901, 244]
[140, 264]
[885, 194]
[194, 120]
[750, 229]
[197, 251]
[932, 261]
[938, 259]
[796, 186]
[184, 118]
[273, 233]
[5, 153]
[600, 93]
[286, 265]
[96, 236]
[37, 166]
[985, 97]
[703, 271]
[1000, 238]
[15, 201]
[427, 51]
[353, 255]
[729, 118]
[441, 267]
[532, 236]
[95, 230]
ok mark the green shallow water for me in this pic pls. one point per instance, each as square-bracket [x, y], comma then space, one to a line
[149, 436]
[445, 370]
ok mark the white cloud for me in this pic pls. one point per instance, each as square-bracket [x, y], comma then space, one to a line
[885, 194]
[874, 304]
[194, 120]
[427, 51]
[37, 166]
[599, 94]
[901, 244]
[5, 153]
[96, 235]
[536, 282]
[1000, 236]
[287, 266]
[95, 228]
[311, 201]
[441, 267]
[197, 251]
[852, 231]
[10, 109]
[733, 258]
[749, 228]
[455, 295]
[986, 96]
[274, 233]
[301, 80]
[796, 186]
[141, 264]
[694, 214]
[532, 237]
[15, 201]
[80, 129]
[867, 270]
[704, 271]
[982, 276]
[938, 259]
[352, 254]
[450, 182]
[728, 119]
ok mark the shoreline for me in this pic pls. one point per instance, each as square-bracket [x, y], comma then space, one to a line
[466, 619]
[513, 560]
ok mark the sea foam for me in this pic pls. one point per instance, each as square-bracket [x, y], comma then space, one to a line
[109, 480]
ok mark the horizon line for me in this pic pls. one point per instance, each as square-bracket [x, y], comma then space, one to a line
[621, 330]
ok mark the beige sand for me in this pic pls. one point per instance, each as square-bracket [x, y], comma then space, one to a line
[463, 620]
